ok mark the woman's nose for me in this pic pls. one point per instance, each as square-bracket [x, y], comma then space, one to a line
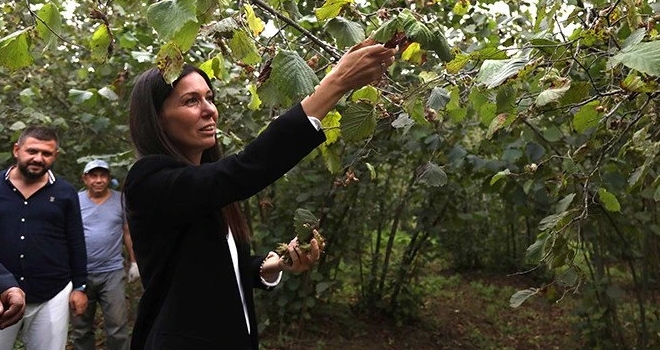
[209, 109]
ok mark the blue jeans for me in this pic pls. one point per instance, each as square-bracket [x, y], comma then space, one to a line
[107, 289]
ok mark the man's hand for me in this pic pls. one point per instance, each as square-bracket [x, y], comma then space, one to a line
[133, 273]
[12, 306]
[78, 302]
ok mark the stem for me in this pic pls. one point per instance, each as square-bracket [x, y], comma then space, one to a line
[325, 46]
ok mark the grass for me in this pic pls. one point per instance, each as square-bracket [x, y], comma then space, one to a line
[465, 312]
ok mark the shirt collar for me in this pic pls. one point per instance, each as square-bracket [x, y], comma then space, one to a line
[51, 175]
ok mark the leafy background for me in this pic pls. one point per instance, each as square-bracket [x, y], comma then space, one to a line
[518, 138]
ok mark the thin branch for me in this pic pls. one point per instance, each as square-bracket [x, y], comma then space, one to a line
[39, 19]
[325, 46]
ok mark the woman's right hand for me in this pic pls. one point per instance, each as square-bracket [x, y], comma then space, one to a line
[363, 64]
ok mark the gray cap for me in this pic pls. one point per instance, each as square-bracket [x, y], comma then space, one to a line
[96, 163]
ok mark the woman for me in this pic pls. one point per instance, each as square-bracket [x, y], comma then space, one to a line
[190, 239]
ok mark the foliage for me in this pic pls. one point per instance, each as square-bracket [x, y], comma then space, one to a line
[514, 136]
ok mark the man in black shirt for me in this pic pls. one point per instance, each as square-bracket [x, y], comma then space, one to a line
[42, 243]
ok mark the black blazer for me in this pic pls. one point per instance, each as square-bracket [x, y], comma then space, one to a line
[191, 299]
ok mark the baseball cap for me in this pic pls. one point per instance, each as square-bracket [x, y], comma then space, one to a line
[96, 163]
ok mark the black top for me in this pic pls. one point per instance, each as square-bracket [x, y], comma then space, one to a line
[191, 299]
[41, 238]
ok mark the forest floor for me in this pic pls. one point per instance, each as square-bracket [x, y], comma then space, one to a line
[469, 311]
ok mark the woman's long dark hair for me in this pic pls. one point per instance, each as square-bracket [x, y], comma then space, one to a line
[148, 136]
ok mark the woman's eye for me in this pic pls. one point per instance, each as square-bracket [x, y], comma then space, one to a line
[191, 101]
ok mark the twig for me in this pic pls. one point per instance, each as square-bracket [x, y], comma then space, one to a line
[325, 46]
[34, 15]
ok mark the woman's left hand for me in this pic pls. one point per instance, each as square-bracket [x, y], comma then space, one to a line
[301, 261]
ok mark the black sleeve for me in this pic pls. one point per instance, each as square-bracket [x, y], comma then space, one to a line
[7, 279]
[174, 189]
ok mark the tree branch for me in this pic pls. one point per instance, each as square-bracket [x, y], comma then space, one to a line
[38, 19]
[325, 46]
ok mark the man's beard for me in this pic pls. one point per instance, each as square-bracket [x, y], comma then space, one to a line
[23, 168]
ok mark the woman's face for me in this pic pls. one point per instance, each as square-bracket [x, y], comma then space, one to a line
[189, 116]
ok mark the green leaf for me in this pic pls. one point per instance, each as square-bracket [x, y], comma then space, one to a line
[426, 76]
[635, 83]
[26, 96]
[634, 38]
[656, 194]
[534, 252]
[255, 23]
[346, 33]
[292, 75]
[461, 8]
[100, 44]
[330, 9]
[271, 95]
[403, 121]
[215, 67]
[170, 61]
[643, 57]
[223, 26]
[415, 109]
[552, 94]
[304, 221]
[185, 37]
[432, 40]
[587, 117]
[244, 48]
[367, 94]
[413, 53]
[520, 296]
[459, 62]
[331, 127]
[255, 102]
[551, 221]
[128, 41]
[83, 97]
[205, 9]
[372, 170]
[51, 25]
[569, 277]
[358, 122]
[15, 50]
[499, 175]
[487, 113]
[387, 30]
[505, 99]
[499, 122]
[431, 174]
[108, 93]
[637, 174]
[609, 200]
[19, 125]
[291, 8]
[494, 73]
[168, 17]
[454, 107]
[438, 99]
[576, 93]
[563, 204]
[331, 158]
[489, 53]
